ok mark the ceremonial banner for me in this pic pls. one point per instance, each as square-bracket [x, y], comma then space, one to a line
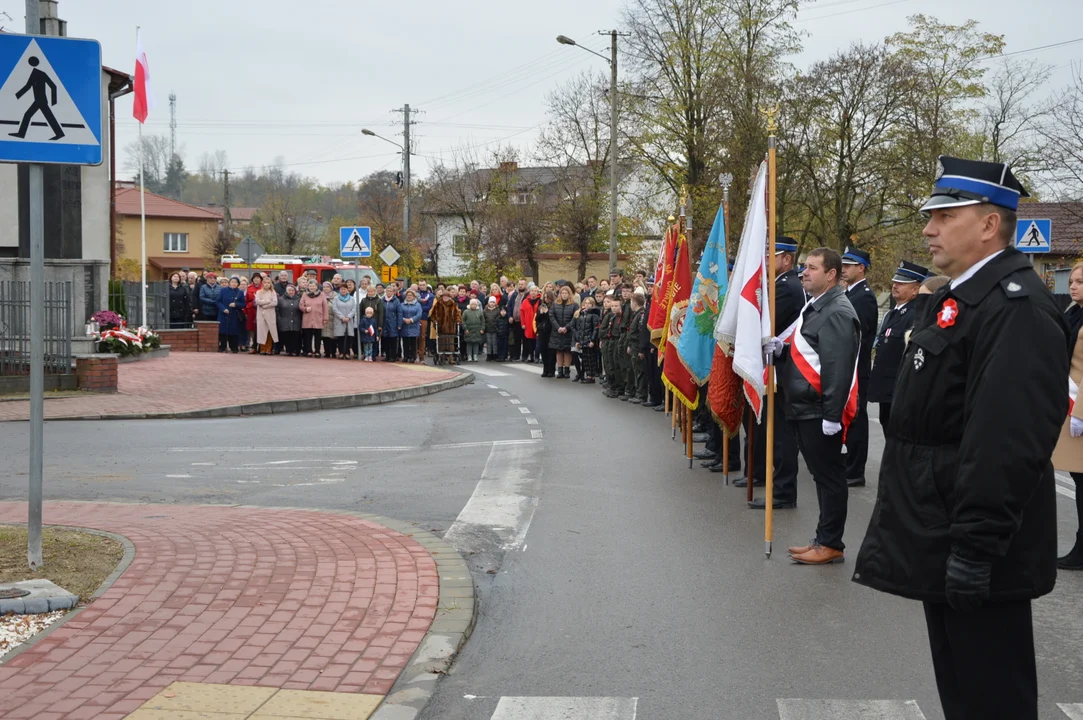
[675, 374]
[661, 298]
[697, 342]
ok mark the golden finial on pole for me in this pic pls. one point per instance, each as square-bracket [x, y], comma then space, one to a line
[771, 114]
[684, 198]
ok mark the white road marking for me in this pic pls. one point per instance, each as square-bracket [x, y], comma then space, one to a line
[538, 434]
[532, 421]
[178, 476]
[565, 708]
[514, 401]
[483, 371]
[535, 369]
[504, 394]
[799, 709]
[205, 464]
[502, 504]
[1066, 487]
[493, 387]
[346, 448]
[1073, 710]
[524, 410]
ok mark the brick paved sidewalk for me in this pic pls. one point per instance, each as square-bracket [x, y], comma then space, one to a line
[291, 599]
[185, 382]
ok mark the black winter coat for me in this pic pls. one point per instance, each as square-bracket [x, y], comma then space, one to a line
[977, 410]
[863, 300]
[586, 328]
[561, 315]
[180, 304]
[831, 328]
[789, 299]
[890, 344]
[495, 322]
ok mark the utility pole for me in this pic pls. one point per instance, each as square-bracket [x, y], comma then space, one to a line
[613, 150]
[227, 218]
[172, 126]
[407, 121]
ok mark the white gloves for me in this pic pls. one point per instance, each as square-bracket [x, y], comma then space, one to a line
[831, 428]
[1077, 427]
[773, 347]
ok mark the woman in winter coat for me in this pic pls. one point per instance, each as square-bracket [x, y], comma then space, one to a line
[208, 297]
[180, 306]
[544, 329]
[193, 294]
[410, 328]
[289, 321]
[313, 316]
[473, 329]
[496, 331]
[327, 335]
[230, 316]
[392, 319]
[250, 309]
[561, 316]
[266, 300]
[344, 310]
[1069, 453]
[444, 319]
[527, 310]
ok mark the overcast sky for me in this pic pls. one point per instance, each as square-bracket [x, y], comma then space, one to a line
[262, 79]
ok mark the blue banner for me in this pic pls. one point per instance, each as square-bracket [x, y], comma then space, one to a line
[697, 343]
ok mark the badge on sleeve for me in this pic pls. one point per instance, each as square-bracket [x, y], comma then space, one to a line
[919, 359]
[946, 317]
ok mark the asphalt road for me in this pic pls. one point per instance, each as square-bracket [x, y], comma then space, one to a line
[614, 581]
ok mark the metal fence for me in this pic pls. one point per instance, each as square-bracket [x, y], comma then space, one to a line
[15, 327]
[126, 298]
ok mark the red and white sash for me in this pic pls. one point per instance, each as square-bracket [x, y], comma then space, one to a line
[1073, 391]
[807, 362]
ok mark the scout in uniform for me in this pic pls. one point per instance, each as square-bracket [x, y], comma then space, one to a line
[966, 510]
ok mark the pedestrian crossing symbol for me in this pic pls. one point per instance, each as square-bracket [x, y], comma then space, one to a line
[356, 242]
[50, 100]
[1033, 236]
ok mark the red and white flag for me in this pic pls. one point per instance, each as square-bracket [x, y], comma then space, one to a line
[144, 93]
[745, 321]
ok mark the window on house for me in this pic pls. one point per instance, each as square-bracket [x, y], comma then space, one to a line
[521, 198]
[459, 246]
[176, 242]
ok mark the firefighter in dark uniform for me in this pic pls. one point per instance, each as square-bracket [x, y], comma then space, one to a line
[789, 300]
[965, 517]
[854, 265]
[891, 340]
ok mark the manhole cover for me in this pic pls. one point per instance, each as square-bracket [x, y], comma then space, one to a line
[12, 593]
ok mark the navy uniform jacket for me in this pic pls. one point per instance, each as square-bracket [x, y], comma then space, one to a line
[789, 299]
[863, 299]
[978, 407]
[890, 344]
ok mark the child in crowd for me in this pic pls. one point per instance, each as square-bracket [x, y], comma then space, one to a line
[367, 327]
[473, 329]
[586, 339]
[496, 325]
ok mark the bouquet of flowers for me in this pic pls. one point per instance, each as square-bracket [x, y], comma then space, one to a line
[107, 319]
[126, 342]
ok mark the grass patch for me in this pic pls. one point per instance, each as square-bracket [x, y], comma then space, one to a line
[76, 561]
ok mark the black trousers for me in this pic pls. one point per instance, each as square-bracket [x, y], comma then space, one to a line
[409, 348]
[1078, 477]
[329, 346]
[515, 340]
[529, 348]
[227, 340]
[984, 661]
[310, 341]
[291, 342]
[785, 482]
[885, 416]
[655, 391]
[823, 455]
[857, 439]
[390, 347]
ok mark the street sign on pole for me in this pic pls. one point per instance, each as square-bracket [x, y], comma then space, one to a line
[389, 255]
[355, 242]
[249, 249]
[1033, 236]
[50, 100]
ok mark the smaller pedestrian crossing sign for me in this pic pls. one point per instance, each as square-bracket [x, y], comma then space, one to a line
[1033, 236]
[356, 242]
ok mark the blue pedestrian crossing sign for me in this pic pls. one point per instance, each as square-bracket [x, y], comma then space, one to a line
[1033, 236]
[50, 100]
[356, 242]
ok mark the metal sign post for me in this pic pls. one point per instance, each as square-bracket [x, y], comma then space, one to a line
[37, 337]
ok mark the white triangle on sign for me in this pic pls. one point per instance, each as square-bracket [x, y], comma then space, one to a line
[37, 99]
[356, 243]
[1033, 237]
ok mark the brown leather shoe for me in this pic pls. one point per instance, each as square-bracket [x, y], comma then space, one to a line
[819, 555]
[802, 549]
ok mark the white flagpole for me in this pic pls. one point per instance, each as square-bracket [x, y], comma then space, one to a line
[143, 226]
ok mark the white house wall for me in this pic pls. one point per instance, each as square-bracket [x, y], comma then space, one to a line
[448, 264]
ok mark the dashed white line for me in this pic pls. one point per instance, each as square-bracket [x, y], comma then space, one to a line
[538, 434]
[504, 394]
[532, 421]
[524, 410]
[515, 401]
[557, 708]
[178, 476]
[492, 387]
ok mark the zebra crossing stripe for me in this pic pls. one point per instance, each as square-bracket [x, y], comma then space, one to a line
[1074, 711]
[800, 709]
[565, 708]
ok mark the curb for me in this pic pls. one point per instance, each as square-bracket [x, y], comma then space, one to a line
[281, 407]
[125, 561]
[456, 609]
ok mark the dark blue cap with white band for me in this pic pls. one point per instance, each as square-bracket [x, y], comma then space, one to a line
[853, 256]
[909, 272]
[962, 182]
[785, 244]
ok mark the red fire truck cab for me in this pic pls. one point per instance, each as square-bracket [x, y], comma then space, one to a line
[322, 267]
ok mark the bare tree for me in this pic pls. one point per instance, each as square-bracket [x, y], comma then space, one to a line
[1063, 132]
[1012, 115]
[156, 161]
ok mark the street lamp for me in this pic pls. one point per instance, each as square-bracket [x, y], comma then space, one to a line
[405, 182]
[612, 60]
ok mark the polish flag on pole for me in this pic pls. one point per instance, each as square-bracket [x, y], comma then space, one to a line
[144, 93]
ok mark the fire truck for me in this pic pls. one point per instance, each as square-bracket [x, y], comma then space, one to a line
[323, 267]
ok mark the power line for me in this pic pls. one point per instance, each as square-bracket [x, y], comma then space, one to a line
[313, 162]
[1035, 49]
[848, 12]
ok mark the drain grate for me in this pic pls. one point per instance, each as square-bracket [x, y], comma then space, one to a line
[12, 593]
